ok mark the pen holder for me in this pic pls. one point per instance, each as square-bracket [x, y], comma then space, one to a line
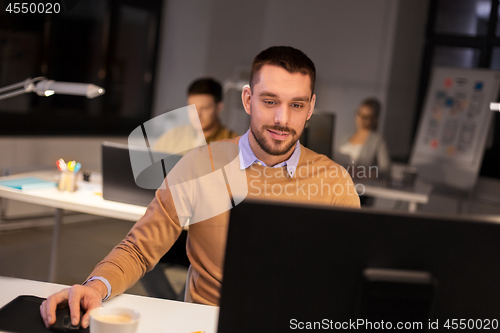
[67, 181]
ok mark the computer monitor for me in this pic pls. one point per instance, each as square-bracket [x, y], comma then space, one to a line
[291, 267]
[318, 133]
[118, 182]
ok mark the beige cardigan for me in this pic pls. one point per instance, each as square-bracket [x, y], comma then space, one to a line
[317, 180]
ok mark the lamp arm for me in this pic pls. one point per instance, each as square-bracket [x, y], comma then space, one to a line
[24, 84]
[25, 87]
[13, 93]
[49, 87]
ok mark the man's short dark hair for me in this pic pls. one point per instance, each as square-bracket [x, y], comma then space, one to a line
[286, 57]
[206, 86]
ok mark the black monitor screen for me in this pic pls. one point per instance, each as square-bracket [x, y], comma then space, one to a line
[318, 133]
[292, 267]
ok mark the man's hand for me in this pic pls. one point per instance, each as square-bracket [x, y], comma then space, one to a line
[88, 297]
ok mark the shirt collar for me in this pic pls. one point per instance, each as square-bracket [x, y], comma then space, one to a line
[247, 156]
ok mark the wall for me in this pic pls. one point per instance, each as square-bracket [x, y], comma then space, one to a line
[360, 48]
[349, 41]
[182, 51]
[20, 154]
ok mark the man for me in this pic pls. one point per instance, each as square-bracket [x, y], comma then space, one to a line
[280, 100]
[206, 95]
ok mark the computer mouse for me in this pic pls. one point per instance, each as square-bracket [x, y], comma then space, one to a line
[63, 321]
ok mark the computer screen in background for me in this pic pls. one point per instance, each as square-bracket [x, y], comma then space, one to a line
[318, 134]
[118, 182]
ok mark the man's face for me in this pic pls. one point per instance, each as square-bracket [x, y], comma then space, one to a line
[208, 110]
[279, 106]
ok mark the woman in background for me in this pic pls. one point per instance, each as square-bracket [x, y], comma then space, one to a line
[366, 147]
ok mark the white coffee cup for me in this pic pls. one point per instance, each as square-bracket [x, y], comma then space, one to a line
[114, 320]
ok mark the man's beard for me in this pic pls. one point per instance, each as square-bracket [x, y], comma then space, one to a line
[280, 147]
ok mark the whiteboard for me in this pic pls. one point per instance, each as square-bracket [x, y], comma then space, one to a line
[454, 125]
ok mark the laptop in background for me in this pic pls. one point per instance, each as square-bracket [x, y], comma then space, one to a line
[118, 183]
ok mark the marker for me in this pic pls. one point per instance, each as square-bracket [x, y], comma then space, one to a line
[61, 165]
[71, 166]
[78, 166]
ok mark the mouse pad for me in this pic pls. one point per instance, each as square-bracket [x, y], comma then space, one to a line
[22, 315]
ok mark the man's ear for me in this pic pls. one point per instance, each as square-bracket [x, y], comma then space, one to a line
[220, 107]
[246, 98]
[311, 109]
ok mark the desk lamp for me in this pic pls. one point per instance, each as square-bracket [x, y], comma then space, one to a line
[44, 87]
[495, 106]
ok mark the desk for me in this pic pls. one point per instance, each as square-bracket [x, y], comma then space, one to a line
[418, 194]
[157, 315]
[84, 200]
